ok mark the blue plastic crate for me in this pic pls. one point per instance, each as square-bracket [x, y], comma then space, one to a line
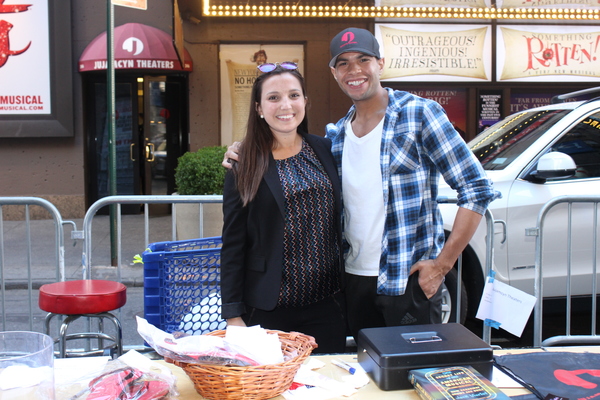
[182, 285]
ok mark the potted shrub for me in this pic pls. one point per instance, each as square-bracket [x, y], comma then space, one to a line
[200, 173]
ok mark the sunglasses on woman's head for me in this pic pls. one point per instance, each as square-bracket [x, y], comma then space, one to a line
[268, 67]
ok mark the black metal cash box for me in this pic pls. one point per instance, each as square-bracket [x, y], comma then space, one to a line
[387, 354]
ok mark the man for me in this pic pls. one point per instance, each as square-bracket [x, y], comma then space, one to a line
[390, 150]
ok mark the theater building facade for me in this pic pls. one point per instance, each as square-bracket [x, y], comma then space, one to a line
[183, 70]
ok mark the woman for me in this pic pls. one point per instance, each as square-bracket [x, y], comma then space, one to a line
[281, 264]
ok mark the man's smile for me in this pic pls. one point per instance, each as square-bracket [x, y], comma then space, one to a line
[356, 82]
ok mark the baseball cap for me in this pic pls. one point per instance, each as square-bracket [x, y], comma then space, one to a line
[353, 40]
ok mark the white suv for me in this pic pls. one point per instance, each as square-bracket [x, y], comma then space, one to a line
[532, 157]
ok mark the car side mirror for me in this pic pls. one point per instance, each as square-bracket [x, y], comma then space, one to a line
[553, 165]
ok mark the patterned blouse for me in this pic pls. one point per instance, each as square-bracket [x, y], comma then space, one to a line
[310, 246]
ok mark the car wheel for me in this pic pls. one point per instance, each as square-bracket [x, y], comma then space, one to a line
[449, 299]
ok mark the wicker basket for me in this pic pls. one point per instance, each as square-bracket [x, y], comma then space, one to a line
[219, 382]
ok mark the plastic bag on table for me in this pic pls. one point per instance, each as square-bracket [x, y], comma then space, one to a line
[196, 349]
[130, 377]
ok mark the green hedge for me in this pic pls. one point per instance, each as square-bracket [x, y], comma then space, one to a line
[201, 173]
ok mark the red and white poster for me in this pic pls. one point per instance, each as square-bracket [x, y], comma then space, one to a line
[548, 53]
[24, 57]
[139, 4]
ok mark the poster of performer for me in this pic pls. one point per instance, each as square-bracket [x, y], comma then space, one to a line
[238, 64]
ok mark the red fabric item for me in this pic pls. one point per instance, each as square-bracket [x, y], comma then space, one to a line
[127, 384]
[89, 296]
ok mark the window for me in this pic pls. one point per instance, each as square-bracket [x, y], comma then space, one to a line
[504, 141]
[582, 143]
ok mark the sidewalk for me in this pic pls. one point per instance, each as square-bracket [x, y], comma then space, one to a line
[14, 251]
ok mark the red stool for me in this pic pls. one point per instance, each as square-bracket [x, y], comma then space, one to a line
[84, 298]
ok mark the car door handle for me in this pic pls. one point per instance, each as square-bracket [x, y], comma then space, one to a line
[503, 223]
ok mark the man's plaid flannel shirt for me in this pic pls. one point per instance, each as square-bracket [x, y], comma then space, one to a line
[418, 144]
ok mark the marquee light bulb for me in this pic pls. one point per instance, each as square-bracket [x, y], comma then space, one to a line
[266, 9]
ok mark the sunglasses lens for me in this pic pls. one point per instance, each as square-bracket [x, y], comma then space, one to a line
[267, 67]
[289, 65]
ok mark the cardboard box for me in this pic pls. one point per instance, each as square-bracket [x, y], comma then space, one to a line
[389, 353]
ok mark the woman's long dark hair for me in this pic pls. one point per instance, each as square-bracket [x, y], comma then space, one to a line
[255, 149]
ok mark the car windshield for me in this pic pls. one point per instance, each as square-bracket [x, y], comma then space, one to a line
[500, 144]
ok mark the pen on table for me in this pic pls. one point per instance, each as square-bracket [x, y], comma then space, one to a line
[343, 365]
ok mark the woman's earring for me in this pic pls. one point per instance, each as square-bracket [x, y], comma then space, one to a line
[262, 116]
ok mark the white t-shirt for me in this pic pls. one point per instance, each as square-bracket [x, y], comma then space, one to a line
[362, 192]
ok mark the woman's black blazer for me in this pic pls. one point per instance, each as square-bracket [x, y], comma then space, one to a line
[252, 253]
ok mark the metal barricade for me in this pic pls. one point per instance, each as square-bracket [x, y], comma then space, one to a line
[117, 201]
[174, 200]
[43, 248]
[538, 231]
[92, 246]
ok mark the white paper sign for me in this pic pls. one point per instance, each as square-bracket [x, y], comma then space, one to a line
[507, 307]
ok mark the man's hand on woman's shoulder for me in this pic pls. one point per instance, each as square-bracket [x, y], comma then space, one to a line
[231, 155]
